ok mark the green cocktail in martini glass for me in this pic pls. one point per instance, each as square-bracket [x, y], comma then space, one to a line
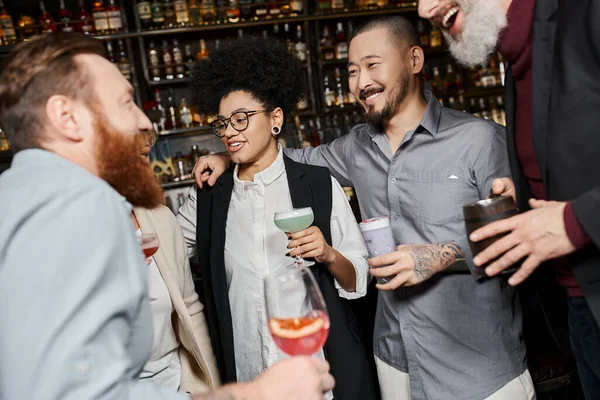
[294, 221]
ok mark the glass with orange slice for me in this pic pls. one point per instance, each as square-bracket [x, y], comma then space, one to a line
[297, 314]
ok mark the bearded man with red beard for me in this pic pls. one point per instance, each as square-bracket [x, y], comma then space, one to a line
[552, 101]
[75, 313]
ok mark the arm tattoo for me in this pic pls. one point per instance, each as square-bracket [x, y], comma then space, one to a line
[429, 259]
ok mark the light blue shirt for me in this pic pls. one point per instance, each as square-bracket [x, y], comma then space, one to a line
[74, 308]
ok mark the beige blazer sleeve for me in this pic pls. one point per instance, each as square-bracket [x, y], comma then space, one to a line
[199, 371]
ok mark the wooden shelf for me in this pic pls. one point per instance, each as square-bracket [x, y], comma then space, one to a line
[483, 92]
[174, 185]
[199, 130]
[167, 82]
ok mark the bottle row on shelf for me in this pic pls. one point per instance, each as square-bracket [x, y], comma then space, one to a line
[169, 116]
[491, 108]
[101, 20]
[172, 61]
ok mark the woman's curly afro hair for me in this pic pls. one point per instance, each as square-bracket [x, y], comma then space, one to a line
[262, 67]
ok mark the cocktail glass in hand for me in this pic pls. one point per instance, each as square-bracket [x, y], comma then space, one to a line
[149, 243]
[294, 221]
[297, 314]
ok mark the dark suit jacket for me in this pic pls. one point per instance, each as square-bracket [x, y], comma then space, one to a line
[309, 187]
[566, 124]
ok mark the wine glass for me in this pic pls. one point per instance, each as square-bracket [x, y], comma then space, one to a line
[296, 311]
[148, 242]
[294, 221]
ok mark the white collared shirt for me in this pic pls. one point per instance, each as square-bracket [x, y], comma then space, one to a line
[254, 247]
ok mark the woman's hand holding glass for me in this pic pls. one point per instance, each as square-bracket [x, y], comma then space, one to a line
[310, 243]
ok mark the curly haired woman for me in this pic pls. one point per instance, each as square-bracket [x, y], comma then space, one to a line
[253, 85]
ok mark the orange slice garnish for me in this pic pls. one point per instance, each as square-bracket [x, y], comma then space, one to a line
[295, 328]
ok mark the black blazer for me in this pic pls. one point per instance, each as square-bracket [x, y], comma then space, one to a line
[566, 124]
[309, 187]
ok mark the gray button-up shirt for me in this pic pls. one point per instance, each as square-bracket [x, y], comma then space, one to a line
[457, 338]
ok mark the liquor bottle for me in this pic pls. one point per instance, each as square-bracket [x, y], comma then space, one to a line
[450, 79]
[485, 113]
[349, 28]
[275, 31]
[209, 11]
[27, 26]
[154, 61]
[233, 11]
[145, 13]
[473, 108]
[498, 113]
[168, 61]
[182, 13]
[9, 35]
[185, 114]
[162, 122]
[240, 33]
[195, 15]
[172, 112]
[221, 6]
[100, 17]
[46, 20]
[115, 19]
[260, 9]
[189, 60]
[452, 103]
[323, 6]
[158, 14]
[341, 46]
[274, 9]
[245, 9]
[110, 52]
[423, 33]
[169, 9]
[340, 94]
[435, 37]
[383, 3]
[203, 52]
[287, 34]
[300, 44]
[328, 94]
[64, 16]
[85, 23]
[297, 6]
[371, 4]
[181, 171]
[349, 5]
[123, 61]
[438, 82]
[462, 106]
[337, 5]
[327, 49]
[178, 59]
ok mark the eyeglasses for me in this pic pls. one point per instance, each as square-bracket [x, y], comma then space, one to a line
[152, 137]
[238, 120]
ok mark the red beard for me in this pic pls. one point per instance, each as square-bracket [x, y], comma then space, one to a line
[121, 165]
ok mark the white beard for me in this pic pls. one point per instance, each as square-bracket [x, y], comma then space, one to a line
[484, 21]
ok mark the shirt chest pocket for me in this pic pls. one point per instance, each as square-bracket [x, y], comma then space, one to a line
[435, 197]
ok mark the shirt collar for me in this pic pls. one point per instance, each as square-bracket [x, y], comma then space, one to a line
[265, 177]
[429, 123]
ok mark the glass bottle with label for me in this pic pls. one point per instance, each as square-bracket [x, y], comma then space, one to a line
[123, 61]
[85, 22]
[154, 62]
[341, 46]
[327, 48]
[64, 16]
[46, 20]
[172, 112]
[189, 60]
[27, 26]
[158, 14]
[340, 92]
[208, 10]
[178, 58]
[182, 13]
[144, 13]
[185, 114]
[245, 9]
[423, 33]
[115, 20]
[337, 5]
[274, 8]
[169, 9]
[297, 6]
[260, 9]
[300, 44]
[9, 35]
[203, 52]
[195, 15]
[162, 120]
[100, 17]
[168, 61]
[328, 94]
[435, 37]
[110, 52]
[233, 11]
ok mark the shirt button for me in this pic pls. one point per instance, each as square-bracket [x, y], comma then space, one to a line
[393, 180]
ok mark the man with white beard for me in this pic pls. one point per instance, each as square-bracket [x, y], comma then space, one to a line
[552, 104]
